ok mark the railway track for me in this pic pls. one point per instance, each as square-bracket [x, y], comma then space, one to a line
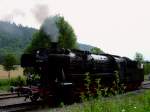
[3, 94]
[20, 107]
[146, 85]
[8, 95]
[12, 103]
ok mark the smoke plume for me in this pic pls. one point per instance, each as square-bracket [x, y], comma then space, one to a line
[50, 28]
[40, 12]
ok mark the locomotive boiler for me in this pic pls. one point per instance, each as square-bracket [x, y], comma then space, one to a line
[63, 72]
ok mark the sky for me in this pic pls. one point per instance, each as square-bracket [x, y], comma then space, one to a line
[120, 27]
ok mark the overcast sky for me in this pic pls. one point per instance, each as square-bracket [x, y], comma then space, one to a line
[120, 27]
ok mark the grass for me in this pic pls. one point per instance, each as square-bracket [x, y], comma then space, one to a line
[5, 88]
[146, 77]
[1, 67]
[129, 103]
[14, 74]
[5, 84]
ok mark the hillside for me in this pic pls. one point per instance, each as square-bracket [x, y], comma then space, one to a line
[15, 38]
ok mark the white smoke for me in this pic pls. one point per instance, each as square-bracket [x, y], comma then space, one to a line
[40, 12]
[50, 28]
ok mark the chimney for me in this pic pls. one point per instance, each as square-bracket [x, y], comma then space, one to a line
[54, 45]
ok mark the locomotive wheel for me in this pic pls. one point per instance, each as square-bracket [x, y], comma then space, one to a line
[34, 97]
[64, 94]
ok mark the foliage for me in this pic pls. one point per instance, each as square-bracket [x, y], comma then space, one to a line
[18, 81]
[96, 50]
[40, 40]
[146, 68]
[95, 88]
[9, 62]
[132, 102]
[13, 39]
[67, 37]
[5, 84]
[139, 57]
[4, 88]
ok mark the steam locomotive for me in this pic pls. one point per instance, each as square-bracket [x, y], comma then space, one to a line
[63, 72]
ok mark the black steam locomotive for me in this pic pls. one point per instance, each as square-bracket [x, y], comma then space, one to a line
[62, 72]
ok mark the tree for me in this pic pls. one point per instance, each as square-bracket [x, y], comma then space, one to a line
[9, 62]
[96, 50]
[146, 68]
[39, 40]
[139, 57]
[66, 38]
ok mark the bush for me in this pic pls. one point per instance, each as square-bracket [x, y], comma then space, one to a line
[146, 68]
[127, 103]
[18, 81]
[4, 82]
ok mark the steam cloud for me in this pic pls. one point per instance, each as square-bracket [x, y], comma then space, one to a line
[50, 28]
[40, 12]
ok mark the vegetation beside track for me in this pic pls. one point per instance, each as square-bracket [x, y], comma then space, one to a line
[5, 84]
[128, 103]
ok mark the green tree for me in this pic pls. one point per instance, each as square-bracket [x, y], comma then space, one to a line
[96, 50]
[139, 57]
[40, 40]
[146, 68]
[66, 38]
[9, 62]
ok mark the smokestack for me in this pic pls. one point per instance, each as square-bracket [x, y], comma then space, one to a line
[54, 45]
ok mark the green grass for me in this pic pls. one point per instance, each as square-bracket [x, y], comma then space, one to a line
[4, 88]
[1, 67]
[5, 84]
[129, 103]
